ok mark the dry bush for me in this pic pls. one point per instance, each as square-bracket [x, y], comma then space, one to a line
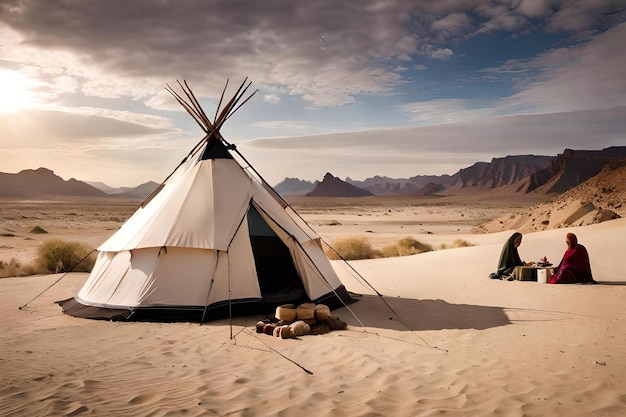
[14, 268]
[58, 255]
[405, 247]
[352, 248]
[461, 243]
[458, 243]
[357, 247]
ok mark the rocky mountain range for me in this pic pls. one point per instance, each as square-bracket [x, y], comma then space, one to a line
[518, 174]
[511, 175]
[43, 183]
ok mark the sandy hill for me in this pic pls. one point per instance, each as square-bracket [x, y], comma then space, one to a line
[600, 198]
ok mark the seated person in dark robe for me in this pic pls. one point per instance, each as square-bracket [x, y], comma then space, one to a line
[509, 258]
[574, 267]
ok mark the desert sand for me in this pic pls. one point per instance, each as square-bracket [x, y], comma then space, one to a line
[441, 339]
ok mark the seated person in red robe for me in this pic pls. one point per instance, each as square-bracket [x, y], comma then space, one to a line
[574, 267]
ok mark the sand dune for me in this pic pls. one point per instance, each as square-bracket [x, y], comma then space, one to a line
[443, 340]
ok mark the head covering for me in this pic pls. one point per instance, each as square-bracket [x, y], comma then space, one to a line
[573, 240]
[509, 258]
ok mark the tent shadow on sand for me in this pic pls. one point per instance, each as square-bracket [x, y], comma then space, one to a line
[421, 314]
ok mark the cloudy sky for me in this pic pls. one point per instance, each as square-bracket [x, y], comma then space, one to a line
[354, 87]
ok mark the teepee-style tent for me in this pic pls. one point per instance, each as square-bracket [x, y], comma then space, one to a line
[213, 241]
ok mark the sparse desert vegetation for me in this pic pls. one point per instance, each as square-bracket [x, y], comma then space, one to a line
[53, 256]
[352, 248]
[56, 255]
[14, 268]
[458, 243]
[406, 246]
[26, 225]
[359, 247]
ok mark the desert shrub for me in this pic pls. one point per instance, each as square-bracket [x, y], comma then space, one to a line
[458, 243]
[353, 248]
[58, 255]
[405, 247]
[410, 243]
[14, 268]
[461, 243]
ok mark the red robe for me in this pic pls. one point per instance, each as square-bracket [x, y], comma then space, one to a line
[574, 267]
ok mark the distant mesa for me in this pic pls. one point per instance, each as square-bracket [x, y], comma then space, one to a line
[332, 186]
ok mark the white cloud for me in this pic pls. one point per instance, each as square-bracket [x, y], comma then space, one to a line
[442, 54]
[446, 110]
[453, 23]
[284, 124]
[499, 17]
[271, 98]
[163, 100]
[328, 53]
[536, 8]
[586, 76]
[577, 15]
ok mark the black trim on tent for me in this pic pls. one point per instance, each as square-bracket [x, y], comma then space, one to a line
[216, 311]
[74, 308]
[215, 149]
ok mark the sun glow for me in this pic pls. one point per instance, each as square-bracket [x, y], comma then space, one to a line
[15, 93]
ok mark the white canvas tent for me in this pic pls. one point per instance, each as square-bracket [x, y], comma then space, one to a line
[213, 241]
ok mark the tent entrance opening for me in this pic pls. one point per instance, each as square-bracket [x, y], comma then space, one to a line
[278, 279]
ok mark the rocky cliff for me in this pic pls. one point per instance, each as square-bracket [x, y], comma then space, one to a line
[600, 198]
[500, 172]
[571, 168]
